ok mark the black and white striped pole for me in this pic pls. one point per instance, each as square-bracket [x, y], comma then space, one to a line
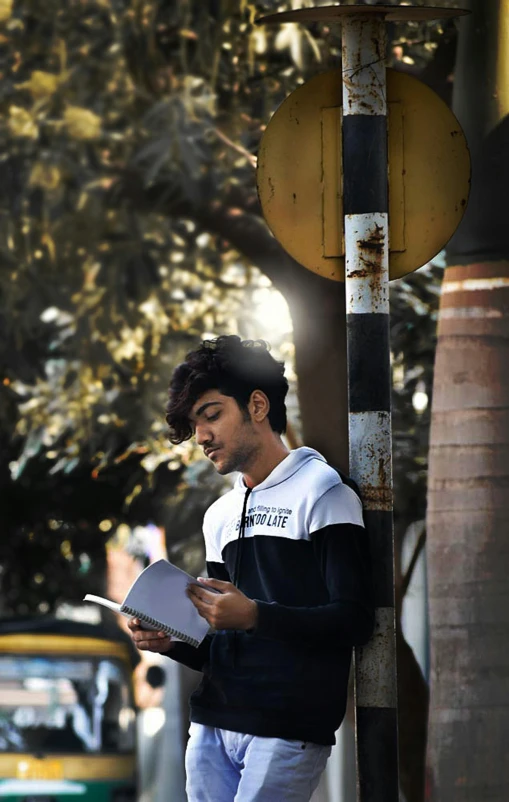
[366, 231]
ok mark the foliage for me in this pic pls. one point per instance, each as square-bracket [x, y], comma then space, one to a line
[129, 228]
[98, 298]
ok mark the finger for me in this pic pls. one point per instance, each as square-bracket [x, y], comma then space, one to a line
[200, 605]
[162, 645]
[203, 609]
[148, 635]
[197, 593]
[136, 626]
[205, 613]
[218, 584]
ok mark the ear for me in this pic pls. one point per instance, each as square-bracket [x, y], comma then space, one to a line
[259, 406]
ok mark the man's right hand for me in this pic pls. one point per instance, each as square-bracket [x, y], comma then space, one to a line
[148, 639]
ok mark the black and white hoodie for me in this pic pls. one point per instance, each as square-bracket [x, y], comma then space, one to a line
[296, 544]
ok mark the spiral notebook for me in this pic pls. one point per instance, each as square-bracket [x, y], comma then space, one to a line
[158, 598]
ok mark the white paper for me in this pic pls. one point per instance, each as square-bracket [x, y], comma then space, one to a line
[159, 592]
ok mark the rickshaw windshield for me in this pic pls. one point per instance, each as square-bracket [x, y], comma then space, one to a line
[58, 704]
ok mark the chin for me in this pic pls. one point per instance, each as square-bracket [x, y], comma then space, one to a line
[224, 467]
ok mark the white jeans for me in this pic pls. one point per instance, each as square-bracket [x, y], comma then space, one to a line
[225, 766]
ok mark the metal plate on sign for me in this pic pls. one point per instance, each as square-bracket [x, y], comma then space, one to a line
[390, 12]
[299, 174]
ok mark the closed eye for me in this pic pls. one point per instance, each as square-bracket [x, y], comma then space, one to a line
[215, 416]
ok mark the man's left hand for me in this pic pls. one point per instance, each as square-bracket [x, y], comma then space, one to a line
[229, 609]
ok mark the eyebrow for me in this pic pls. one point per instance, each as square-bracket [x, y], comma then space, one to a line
[203, 407]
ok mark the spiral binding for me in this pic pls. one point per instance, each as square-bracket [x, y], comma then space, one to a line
[153, 622]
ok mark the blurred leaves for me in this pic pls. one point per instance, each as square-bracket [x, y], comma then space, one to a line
[5, 10]
[82, 123]
[41, 84]
[22, 124]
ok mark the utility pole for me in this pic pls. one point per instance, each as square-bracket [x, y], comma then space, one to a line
[366, 232]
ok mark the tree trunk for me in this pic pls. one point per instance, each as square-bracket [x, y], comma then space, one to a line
[317, 307]
[468, 516]
[468, 520]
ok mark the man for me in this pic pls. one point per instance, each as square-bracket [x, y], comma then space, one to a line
[286, 548]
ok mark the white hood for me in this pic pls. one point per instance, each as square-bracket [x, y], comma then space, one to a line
[302, 495]
[295, 460]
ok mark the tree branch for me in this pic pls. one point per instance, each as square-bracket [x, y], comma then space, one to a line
[244, 229]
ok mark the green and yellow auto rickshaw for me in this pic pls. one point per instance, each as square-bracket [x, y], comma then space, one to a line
[67, 715]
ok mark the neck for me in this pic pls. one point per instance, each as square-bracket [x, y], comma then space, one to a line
[266, 460]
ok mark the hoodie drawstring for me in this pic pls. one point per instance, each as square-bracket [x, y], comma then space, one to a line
[238, 561]
[240, 540]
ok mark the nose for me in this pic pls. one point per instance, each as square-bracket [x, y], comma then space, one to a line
[202, 434]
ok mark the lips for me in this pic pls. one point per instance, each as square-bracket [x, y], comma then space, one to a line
[210, 451]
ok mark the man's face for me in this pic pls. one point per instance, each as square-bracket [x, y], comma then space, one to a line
[227, 437]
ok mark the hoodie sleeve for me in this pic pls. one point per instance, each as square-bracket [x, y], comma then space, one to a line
[190, 656]
[340, 545]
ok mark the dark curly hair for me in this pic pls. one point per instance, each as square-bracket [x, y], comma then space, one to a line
[236, 368]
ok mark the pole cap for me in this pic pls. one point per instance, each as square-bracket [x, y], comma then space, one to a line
[390, 12]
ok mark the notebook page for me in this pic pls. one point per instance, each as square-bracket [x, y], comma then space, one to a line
[160, 592]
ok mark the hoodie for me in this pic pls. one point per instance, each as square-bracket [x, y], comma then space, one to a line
[296, 544]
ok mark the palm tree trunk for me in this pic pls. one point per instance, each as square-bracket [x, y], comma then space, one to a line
[468, 521]
[468, 513]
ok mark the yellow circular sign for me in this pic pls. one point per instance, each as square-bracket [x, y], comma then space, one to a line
[299, 174]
